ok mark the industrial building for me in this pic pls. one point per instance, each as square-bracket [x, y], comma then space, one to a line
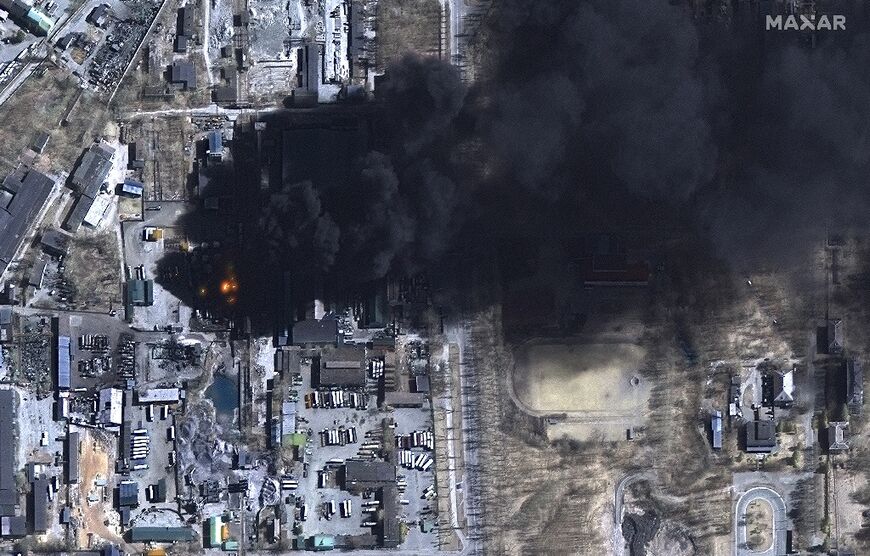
[8, 486]
[28, 17]
[88, 178]
[336, 372]
[73, 445]
[184, 29]
[54, 243]
[62, 353]
[22, 197]
[132, 188]
[111, 406]
[716, 429]
[159, 395]
[161, 534]
[183, 74]
[140, 293]
[313, 332]
[359, 475]
[6, 330]
[38, 509]
[855, 386]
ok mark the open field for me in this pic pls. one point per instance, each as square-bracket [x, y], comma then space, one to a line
[407, 26]
[165, 145]
[586, 377]
[93, 265]
[50, 101]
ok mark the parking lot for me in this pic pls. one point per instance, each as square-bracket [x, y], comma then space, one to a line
[159, 454]
[326, 426]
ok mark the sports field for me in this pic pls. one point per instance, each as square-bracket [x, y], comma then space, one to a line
[595, 377]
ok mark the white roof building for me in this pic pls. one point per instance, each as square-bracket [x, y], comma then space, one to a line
[111, 406]
[160, 395]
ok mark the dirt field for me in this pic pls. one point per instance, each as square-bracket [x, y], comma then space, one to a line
[407, 26]
[93, 267]
[588, 377]
[94, 465]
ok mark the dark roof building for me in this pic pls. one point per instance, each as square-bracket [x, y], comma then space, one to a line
[184, 24]
[325, 373]
[22, 197]
[12, 526]
[140, 292]
[6, 330]
[37, 274]
[72, 457]
[99, 16]
[78, 213]
[389, 529]
[54, 243]
[829, 337]
[360, 475]
[183, 74]
[93, 169]
[40, 142]
[855, 386]
[313, 332]
[8, 487]
[161, 534]
[128, 494]
[760, 436]
[39, 505]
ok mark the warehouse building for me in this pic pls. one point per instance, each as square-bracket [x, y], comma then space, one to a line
[183, 74]
[111, 406]
[22, 198]
[8, 486]
[313, 332]
[88, 178]
[13, 526]
[159, 395]
[38, 508]
[389, 530]
[161, 534]
[54, 243]
[6, 330]
[73, 444]
[358, 475]
[341, 373]
[140, 293]
[94, 168]
[62, 352]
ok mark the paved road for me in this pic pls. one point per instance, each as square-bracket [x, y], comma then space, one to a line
[780, 523]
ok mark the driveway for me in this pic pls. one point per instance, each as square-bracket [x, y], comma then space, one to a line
[780, 524]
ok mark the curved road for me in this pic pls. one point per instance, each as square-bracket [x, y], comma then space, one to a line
[780, 524]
